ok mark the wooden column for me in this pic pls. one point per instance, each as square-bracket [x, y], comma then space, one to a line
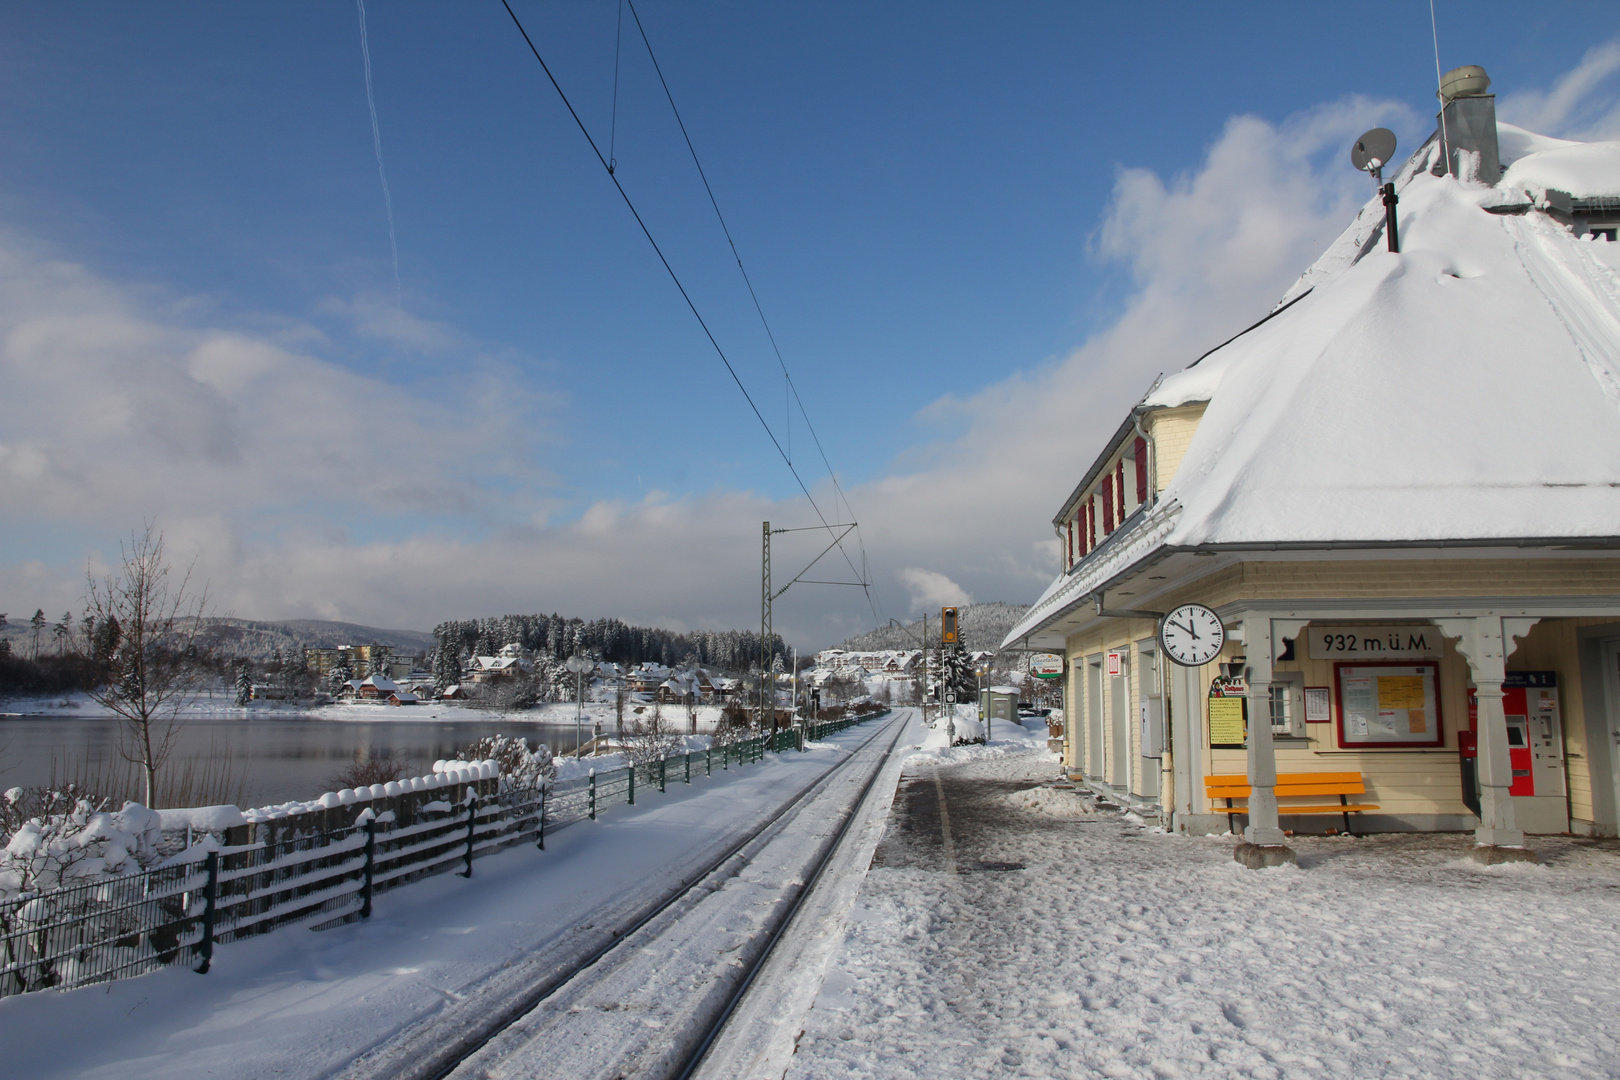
[1482, 642]
[1263, 829]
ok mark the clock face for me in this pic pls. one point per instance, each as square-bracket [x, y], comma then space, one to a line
[1192, 635]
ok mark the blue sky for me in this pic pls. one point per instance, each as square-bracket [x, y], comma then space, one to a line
[978, 232]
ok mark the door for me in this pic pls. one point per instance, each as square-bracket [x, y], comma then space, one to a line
[1094, 717]
[1611, 694]
[1150, 712]
[1119, 721]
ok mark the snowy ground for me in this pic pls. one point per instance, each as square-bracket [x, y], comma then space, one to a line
[1020, 932]
[301, 1004]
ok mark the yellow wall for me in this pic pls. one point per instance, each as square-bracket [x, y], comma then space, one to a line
[1171, 431]
[1417, 782]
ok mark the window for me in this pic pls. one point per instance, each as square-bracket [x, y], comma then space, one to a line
[1287, 707]
[1139, 448]
[1281, 714]
[1604, 234]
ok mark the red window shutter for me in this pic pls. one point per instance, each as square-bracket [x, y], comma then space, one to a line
[1140, 448]
[1108, 506]
[1070, 530]
[1090, 534]
[1119, 487]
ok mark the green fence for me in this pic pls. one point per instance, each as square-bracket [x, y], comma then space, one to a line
[112, 928]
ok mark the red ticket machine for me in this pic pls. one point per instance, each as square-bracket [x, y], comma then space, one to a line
[1535, 738]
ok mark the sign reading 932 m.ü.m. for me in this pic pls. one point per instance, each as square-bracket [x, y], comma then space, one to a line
[1417, 641]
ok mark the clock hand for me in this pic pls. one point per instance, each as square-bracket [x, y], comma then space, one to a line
[1186, 629]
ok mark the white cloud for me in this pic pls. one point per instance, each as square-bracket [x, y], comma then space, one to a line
[307, 490]
[931, 589]
[1580, 105]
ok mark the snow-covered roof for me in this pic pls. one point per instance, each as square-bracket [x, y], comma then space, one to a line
[1466, 388]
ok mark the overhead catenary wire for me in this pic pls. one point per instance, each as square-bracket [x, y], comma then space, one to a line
[613, 124]
[674, 277]
[376, 145]
[759, 309]
[681, 288]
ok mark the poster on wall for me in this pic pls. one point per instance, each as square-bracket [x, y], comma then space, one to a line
[1388, 704]
[1228, 714]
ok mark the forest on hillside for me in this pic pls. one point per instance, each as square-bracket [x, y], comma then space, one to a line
[983, 628]
[557, 637]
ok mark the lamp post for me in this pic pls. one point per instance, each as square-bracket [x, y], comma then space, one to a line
[579, 665]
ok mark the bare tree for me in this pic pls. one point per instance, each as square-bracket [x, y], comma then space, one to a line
[144, 640]
[651, 737]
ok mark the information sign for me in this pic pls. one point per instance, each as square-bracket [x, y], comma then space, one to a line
[1374, 642]
[1389, 704]
[1046, 666]
[1228, 714]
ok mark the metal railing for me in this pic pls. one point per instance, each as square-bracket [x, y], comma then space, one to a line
[113, 928]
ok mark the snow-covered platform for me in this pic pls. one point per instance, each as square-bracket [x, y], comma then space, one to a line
[1007, 927]
[299, 1004]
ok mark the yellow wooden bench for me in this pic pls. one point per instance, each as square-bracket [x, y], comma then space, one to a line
[1294, 786]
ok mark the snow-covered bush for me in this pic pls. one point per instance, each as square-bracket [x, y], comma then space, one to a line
[56, 837]
[651, 737]
[522, 769]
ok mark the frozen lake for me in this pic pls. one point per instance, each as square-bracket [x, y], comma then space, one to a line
[283, 757]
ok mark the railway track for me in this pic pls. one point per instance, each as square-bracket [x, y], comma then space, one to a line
[646, 993]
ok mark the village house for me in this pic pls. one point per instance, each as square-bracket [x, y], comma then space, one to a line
[1399, 496]
[375, 688]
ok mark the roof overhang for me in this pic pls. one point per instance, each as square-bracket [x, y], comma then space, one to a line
[1134, 590]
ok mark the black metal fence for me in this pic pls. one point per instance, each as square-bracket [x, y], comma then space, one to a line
[113, 928]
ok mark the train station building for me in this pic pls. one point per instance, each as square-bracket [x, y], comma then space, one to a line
[1399, 495]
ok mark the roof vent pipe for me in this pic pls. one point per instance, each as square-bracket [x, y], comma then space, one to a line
[1468, 121]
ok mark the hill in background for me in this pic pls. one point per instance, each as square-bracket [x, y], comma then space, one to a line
[260, 640]
[983, 628]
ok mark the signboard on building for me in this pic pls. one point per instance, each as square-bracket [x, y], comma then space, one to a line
[1228, 713]
[1115, 664]
[1417, 642]
[1046, 666]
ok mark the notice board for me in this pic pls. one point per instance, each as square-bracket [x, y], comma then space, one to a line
[1228, 714]
[1388, 705]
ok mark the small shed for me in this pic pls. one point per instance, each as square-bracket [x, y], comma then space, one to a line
[999, 703]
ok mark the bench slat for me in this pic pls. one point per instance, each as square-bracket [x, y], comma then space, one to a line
[1231, 779]
[1284, 811]
[1290, 791]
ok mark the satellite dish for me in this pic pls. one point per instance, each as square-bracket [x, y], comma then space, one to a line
[1373, 150]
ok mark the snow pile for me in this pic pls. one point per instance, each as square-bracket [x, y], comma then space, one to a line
[1584, 170]
[446, 773]
[570, 768]
[573, 768]
[69, 840]
[202, 818]
[1052, 802]
[995, 748]
[1006, 739]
